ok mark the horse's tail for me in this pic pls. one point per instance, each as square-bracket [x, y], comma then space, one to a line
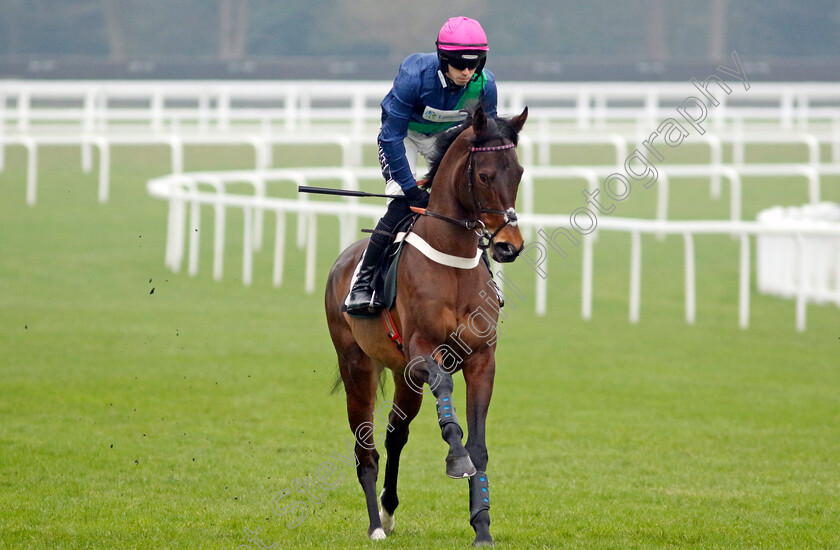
[337, 383]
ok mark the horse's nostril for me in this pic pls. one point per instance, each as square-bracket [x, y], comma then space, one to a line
[505, 252]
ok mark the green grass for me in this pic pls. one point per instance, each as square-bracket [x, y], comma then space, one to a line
[132, 419]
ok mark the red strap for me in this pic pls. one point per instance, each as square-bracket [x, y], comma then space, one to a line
[393, 333]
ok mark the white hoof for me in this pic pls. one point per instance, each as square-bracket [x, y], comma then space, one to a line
[386, 519]
[378, 534]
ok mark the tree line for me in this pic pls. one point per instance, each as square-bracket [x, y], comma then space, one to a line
[240, 29]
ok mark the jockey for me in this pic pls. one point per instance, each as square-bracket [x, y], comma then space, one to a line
[429, 96]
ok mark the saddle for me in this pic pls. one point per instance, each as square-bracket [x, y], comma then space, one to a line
[385, 276]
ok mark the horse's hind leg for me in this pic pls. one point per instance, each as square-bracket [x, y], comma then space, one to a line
[360, 378]
[406, 406]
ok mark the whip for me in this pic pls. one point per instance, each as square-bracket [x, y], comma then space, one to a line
[344, 192]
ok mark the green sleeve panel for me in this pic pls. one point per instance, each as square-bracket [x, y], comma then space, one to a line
[472, 92]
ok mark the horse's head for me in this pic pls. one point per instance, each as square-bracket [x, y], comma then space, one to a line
[493, 174]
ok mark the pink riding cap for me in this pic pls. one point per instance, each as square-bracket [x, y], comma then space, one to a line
[462, 33]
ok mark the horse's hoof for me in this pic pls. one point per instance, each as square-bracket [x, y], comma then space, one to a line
[459, 467]
[387, 521]
[378, 534]
[483, 543]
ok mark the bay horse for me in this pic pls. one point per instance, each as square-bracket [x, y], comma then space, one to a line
[446, 312]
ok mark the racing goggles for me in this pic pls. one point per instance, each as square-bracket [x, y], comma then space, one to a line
[469, 61]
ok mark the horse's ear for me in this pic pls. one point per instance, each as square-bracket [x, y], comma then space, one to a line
[518, 121]
[479, 121]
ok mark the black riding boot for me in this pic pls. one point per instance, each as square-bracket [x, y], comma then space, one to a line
[361, 301]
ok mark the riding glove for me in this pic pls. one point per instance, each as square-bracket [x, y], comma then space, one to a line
[416, 197]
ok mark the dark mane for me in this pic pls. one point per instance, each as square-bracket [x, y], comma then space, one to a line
[498, 128]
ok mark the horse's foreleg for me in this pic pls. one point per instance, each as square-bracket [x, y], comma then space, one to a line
[424, 369]
[406, 406]
[479, 374]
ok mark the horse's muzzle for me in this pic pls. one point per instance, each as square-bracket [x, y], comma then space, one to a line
[505, 252]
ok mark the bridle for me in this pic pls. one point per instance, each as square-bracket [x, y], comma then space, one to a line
[476, 224]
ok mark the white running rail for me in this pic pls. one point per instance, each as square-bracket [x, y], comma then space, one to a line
[185, 193]
[295, 105]
[789, 265]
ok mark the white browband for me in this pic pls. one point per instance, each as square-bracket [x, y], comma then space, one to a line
[437, 256]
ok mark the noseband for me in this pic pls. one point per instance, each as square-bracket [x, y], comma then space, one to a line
[476, 224]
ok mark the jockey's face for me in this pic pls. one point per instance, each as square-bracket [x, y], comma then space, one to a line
[462, 77]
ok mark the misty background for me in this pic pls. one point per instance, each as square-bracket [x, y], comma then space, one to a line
[366, 39]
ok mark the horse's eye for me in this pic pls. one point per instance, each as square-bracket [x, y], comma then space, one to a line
[484, 179]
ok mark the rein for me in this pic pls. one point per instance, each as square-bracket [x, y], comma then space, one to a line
[477, 225]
